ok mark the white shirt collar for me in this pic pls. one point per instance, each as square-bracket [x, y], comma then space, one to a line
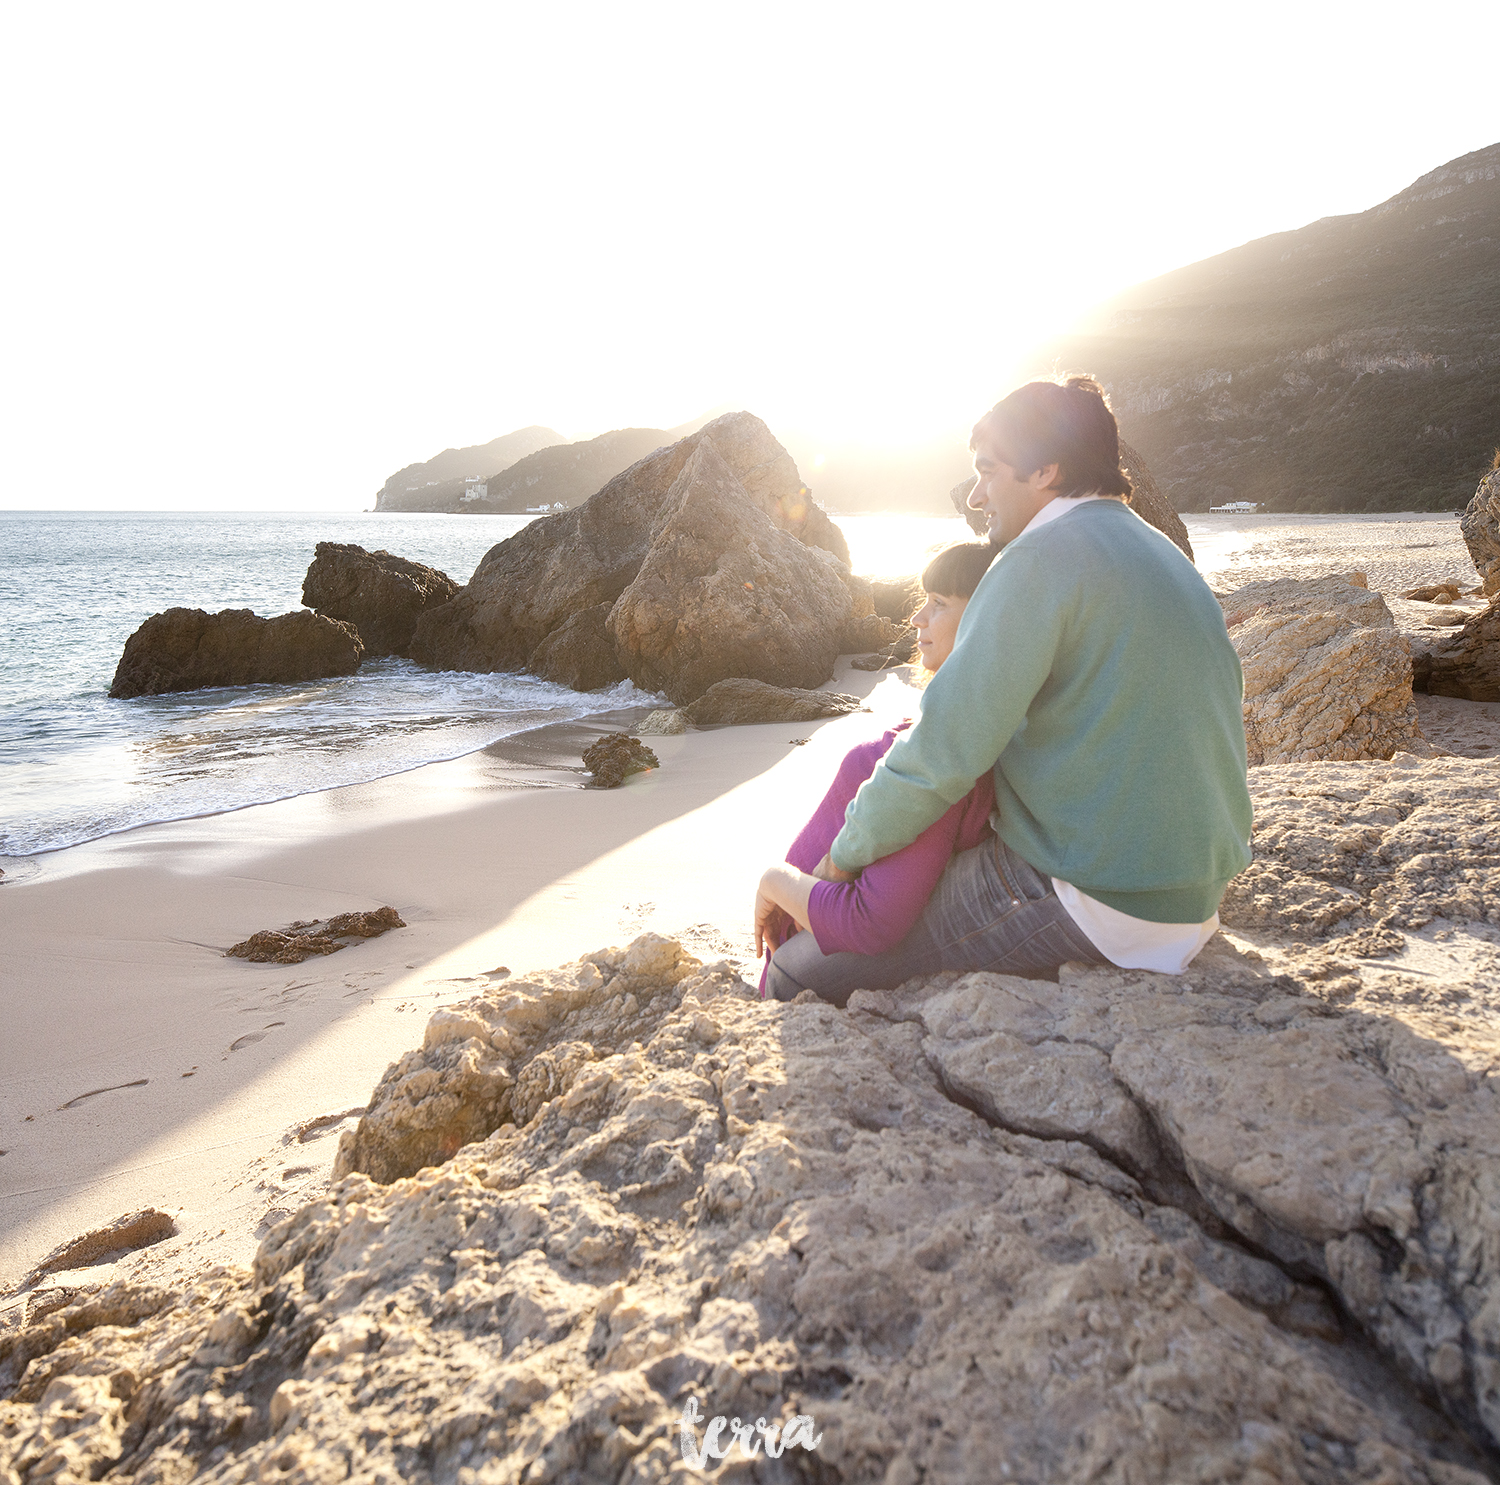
[1059, 505]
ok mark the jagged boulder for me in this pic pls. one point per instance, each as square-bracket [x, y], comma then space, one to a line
[743, 702]
[1327, 673]
[535, 581]
[187, 649]
[1147, 502]
[897, 599]
[723, 592]
[1480, 526]
[381, 595]
[1464, 663]
[579, 653]
[611, 1189]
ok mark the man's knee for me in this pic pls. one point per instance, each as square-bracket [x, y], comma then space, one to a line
[779, 984]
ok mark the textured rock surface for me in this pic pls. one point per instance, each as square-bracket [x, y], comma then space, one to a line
[615, 756]
[745, 701]
[1481, 530]
[381, 595]
[1327, 674]
[186, 649]
[655, 1186]
[557, 566]
[723, 592]
[1358, 844]
[1464, 662]
[668, 722]
[579, 652]
[133, 1230]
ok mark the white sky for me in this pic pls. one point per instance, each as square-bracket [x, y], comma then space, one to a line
[260, 256]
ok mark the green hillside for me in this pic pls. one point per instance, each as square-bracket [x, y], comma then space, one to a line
[1353, 364]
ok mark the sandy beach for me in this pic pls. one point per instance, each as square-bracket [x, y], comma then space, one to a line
[141, 1068]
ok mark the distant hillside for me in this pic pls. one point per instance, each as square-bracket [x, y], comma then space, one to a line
[1353, 364]
[432, 486]
[568, 472]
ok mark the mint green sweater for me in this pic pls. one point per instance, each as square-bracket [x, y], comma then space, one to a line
[1093, 673]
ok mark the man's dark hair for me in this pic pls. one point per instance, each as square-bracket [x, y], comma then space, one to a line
[956, 570]
[1066, 422]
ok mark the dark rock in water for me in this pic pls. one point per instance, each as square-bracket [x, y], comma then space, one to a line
[1463, 663]
[615, 756]
[722, 592]
[381, 595]
[301, 941]
[580, 654]
[186, 649]
[899, 598]
[1481, 531]
[534, 582]
[1147, 502]
[747, 702]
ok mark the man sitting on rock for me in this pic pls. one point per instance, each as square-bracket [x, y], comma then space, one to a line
[1093, 675]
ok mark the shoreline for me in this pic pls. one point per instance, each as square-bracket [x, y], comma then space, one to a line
[115, 970]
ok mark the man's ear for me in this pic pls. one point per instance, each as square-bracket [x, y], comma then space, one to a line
[1044, 478]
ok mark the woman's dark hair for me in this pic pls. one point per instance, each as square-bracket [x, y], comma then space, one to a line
[1065, 422]
[956, 570]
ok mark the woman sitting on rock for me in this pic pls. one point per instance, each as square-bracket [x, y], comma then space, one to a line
[822, 932]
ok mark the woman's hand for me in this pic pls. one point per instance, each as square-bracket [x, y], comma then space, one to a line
[780, 902]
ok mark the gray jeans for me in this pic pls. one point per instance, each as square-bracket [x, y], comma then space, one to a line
[990, 910]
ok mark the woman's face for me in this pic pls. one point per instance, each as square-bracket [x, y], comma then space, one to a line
[936, 624]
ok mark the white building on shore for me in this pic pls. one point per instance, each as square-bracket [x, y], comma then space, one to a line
[475, 488]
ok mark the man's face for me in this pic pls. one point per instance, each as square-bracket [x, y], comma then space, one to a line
[1008, 499]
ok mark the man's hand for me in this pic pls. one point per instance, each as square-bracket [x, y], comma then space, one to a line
[826, 871]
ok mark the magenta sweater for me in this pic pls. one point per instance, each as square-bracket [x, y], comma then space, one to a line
[876, 912]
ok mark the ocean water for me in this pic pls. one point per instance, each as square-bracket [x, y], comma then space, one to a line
[75, 765]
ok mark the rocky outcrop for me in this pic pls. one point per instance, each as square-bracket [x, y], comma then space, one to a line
[1121, 1227]
[741, 701]
[381, 595]
[186, 649]
[1327, 674]
[532, 583]
[1147, 502]
[1465, 662]
[897, 599]
[1481, 531]
[723, 592]
[579, 653]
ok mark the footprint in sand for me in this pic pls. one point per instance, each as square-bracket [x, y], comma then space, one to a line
[95, 1092]
[251, 1037]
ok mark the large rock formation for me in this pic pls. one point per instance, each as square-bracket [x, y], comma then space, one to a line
[530, 585]
[722, 592]
[1464, 662]
[1327, 674]
[1123, 1227]
[1147, 502]
[186, 649]
[1481, 530]
[381, 595]
[579, 653]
